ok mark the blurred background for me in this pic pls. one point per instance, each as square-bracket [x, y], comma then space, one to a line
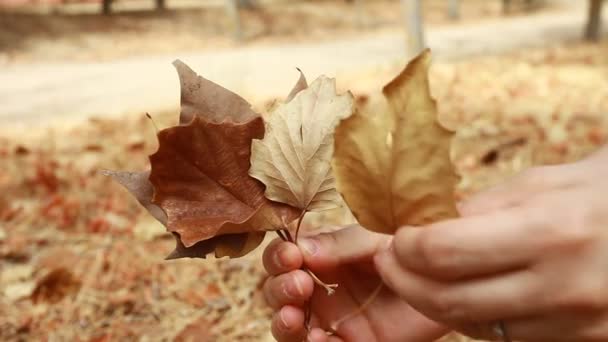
[523, 82]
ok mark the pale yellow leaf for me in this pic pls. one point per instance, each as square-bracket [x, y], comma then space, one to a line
[294, 158]
[392, 166]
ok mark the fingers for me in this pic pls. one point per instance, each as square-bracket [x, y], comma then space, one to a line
[280, 257]
[590, 327]
[344, 246]
[519, 189]
[486, 299]
[472, 246]
[293, 288]
[319, 335]
[288, 324]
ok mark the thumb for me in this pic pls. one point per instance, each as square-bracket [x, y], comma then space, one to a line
[347, 245]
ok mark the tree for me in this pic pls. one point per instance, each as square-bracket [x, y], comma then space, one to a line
[249, 4]
[454, 9]
[232, 10]
[594, 20]
[106, 7]
[506, 6]
[412, 13]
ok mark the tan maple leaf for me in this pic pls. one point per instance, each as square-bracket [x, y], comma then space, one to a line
[294, 158]
[393, 167]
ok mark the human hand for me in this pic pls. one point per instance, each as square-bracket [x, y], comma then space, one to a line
[343, 257]
[532, 253]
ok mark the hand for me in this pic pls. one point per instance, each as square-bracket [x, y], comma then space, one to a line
[343, 257]
[532, 253]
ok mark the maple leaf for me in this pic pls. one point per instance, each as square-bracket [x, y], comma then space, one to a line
[393, 168]
[201, 181]
[300, 85]
[198, 185]
[203, 98]
[232, 245]
[294, 158]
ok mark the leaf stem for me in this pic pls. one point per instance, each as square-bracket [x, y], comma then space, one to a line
[330, 288]
[360, 309]
[300, 219]
[281, 235]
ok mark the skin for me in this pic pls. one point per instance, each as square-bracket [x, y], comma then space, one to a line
[532, 252]
[344, 257]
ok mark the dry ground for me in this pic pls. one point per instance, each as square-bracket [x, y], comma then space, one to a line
[79, 33]
[80, 261]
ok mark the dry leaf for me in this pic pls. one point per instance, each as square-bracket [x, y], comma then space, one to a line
[233, 245]
[55, 285]
[393, 167]
[294, 158]
[300, 85]
[201, 97]
[199, 186]
[199, 330]
[201, 181]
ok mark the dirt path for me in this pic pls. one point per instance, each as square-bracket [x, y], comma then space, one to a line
[42, 94]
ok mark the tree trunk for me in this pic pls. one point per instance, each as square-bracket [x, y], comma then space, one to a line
[454, 9]
[161, 5]
[594, 20]
[249, 4]
[412, 13]
[106, 7]
[360, 13]
[506, 6]
[232, 10]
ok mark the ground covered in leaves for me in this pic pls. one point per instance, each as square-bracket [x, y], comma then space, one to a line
[79, 259]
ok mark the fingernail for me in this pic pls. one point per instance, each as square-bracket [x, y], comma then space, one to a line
[299, 288]
[309, 245]
[279, 256]
[283, 319]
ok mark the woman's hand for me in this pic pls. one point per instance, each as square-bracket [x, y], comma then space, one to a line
[343, 257]
[532, 253]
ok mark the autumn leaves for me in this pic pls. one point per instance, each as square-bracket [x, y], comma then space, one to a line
[223, 176]
[392, 161]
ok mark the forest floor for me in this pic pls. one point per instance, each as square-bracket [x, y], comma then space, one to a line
[81, 261]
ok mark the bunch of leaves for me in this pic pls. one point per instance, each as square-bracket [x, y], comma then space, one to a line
[223, 177]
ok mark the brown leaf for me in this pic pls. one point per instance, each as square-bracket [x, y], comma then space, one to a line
[140, 187]
[199, 330]
[294, 158]
[201, 97]
[55, 285]
[393, 167]
[198, 186]
[200, 179]
[232, 245]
